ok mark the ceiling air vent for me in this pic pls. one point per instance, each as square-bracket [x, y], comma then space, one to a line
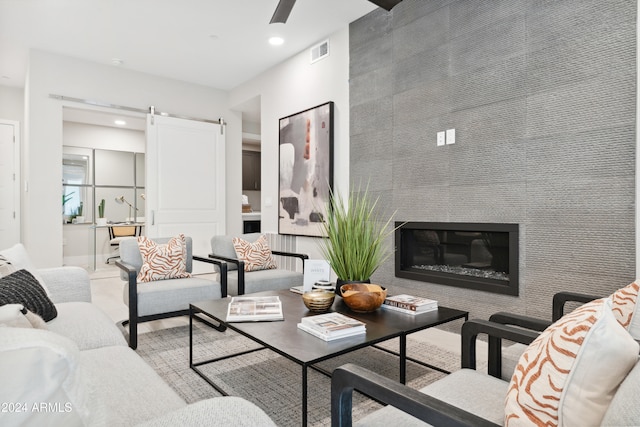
[320, 51]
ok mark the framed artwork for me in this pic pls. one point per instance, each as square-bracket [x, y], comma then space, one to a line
[306, 170]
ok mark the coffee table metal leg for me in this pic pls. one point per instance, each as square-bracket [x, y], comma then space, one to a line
[403, 358]
[304, 395]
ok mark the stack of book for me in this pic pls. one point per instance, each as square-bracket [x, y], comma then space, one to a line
[254, 309]
[331, 326]
[409, 304]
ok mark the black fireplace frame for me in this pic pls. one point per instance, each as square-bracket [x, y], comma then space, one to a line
[506, 287]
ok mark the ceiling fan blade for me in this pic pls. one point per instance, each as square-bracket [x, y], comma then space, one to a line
[385, 4]
[282, 11]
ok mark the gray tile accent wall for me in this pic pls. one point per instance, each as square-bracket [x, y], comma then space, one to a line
[542, 95]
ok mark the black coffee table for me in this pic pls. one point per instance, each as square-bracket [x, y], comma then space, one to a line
[286, 339]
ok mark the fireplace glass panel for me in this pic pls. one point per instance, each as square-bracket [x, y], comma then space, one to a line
[477, 256]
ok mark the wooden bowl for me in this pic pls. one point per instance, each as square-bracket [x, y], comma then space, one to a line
[363, 297]
[318, 300]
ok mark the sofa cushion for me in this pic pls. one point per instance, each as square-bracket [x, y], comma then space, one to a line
[41, 374]
[19, 258]
[21, 287]
[129, 388]
[625, 308]
[161, 261]
[460, 389]
[256, 256]
[86, 325]
[229, 411]
[569, 374]
[624, 409]
[6, 267]
[165, 296]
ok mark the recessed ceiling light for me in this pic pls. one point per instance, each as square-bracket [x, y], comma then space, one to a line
[117, 61]
[120, 122]
[276, 41]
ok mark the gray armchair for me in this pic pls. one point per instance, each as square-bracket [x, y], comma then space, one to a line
[240, 282]
[463, 398]
[165, 298]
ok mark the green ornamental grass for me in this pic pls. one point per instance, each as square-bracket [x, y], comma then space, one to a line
[355, 236]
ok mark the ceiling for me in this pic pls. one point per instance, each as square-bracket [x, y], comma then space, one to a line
[216, 43]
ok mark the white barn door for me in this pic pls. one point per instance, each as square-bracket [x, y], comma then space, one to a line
[185, 181]
[9, 183]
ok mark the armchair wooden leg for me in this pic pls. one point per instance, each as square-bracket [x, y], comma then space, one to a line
[133, 334]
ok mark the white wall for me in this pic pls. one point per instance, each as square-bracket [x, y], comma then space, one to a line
[293, 86]
[11, 103]
[42, 172]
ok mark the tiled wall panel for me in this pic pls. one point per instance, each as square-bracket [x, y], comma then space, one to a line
[542, 95]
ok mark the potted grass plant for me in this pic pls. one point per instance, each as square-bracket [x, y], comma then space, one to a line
[355, 237]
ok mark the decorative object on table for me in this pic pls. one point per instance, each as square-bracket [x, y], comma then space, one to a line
[410, 304]
[318, 300]
[332, 326]
[363, 297]
[355, 237]
[122, 200]
[315, 270]
[254, 309]
[306, 170]
[101, 220]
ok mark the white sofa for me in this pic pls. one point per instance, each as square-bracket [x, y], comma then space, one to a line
[80, 371]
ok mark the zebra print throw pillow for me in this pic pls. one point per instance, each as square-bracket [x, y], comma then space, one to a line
[256, 256]
[626, 310]
[569, 374]
[163, 261]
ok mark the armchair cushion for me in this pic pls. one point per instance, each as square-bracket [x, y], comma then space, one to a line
[165, 296]
[22, 288]
[163, 260]
[460, 389]
[570, 373]
[256, 255]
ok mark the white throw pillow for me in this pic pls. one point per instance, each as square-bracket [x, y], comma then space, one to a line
[570, 373]
[19, 258]
[42, 379]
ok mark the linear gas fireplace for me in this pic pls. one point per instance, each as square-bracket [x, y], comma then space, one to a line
[469, 255]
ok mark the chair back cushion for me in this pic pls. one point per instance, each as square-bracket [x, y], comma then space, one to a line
[570, 373]
[223, 245]
[130, 253]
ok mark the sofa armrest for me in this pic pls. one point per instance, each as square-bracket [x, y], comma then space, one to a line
[292, 254]
[349, 377]
[496, 333]
[222, 266]
[561, 298]
[67, 284]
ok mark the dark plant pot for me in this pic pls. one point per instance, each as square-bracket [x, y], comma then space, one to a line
[341, 282]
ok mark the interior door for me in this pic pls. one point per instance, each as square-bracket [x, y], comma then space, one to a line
[9, 184]
[185, 181]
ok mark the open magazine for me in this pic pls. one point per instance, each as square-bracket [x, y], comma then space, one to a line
[254, 309]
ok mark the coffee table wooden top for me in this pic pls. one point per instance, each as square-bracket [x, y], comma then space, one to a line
[285, 338]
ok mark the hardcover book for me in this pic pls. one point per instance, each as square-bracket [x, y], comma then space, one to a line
[254, 309]
[331, 326]
[412, 303]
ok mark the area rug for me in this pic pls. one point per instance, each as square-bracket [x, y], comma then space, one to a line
[271, 381]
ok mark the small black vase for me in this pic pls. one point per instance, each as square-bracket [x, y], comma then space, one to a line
[341, 282]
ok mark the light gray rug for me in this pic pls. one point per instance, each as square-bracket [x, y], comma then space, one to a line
[271, 381]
